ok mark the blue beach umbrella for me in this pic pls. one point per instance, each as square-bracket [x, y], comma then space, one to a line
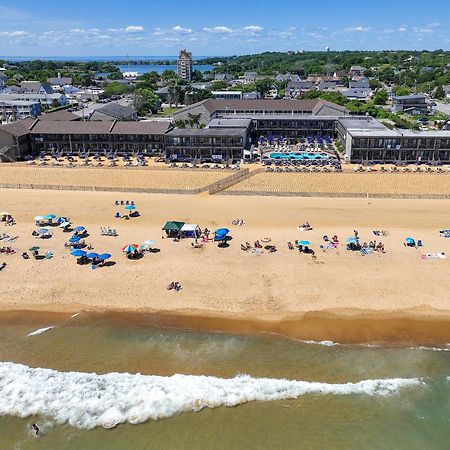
[78, 253]
[409, 240]
[64, 225]
[43, 231]
[104, 256]
[49, 217]
[304, 243]
[222, 231]
[351, 240]
[92, 255]
[61, 219]
[130, 207]
[79, 228]
[74, 239]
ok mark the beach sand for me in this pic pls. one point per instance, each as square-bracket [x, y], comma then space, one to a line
[394, 290]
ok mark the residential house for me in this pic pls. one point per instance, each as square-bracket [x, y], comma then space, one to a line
[296, 88]
[114, 111]
[411, 104]
[356, 71]
[288, 77]
[250, 77]
[35, 87]
[227, 77]
[58, 83]
[13, 110]
[3, 79]
[47, 100]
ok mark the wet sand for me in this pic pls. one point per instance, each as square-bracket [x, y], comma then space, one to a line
[341, 296]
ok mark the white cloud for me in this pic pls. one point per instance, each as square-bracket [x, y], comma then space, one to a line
[402, 29]
[220, 29]
[254, 28]
[422, 30]
[180, 29]
[134, 29]
[14, 34]
[357, 29]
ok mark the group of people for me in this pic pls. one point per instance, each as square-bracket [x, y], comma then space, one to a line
[174, 285]
[239, 222]
[8, 220]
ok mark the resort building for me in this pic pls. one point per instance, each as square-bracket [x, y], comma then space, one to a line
[365, 139]
[184, 65]
[225, 95]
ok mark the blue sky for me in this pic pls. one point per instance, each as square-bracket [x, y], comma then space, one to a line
[156, 27]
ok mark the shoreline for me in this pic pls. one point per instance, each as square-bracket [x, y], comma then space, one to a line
[400, 328]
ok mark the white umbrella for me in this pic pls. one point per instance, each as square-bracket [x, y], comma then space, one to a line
[64, 225]
[149, 242]
[38, 218]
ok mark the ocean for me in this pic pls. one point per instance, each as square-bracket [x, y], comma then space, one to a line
[160, 388]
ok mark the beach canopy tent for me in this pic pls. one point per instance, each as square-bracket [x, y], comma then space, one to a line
[190, 230]
[173, 228]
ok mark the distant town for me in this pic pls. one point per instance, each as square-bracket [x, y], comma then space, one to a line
[381, 106]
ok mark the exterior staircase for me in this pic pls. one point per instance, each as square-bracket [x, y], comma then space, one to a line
[5, 154]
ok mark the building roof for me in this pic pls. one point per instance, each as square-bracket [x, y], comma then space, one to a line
[61, 115]
[230, 123]
[207, 132]
[59, 81]
[409, 97]
[20, 128]
[99, 127]
[35, 86]
[116, 110]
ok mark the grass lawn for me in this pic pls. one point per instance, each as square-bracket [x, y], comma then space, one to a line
[167, 111]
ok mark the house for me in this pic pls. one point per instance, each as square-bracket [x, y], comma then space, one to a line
[58, 83]
[356, 94]
[114, 111]
[163, 93]
[35, 87]
[227, 77]
[13, 110]
[287, 77]
[361, 83]
[296, 88]
[3, 79]
[329, 85]
[44, 99]
[250, 77]
[14, 139]
[356, 70]
[411, 104]
[446, 91]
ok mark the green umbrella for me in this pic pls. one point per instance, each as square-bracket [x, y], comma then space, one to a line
[34, 248]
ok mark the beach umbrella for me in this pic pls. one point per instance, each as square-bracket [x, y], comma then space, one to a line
[130, 207]
[64, 225]
[49, 217]
[409, 240]
[104, 256]
[38, 218]
[92, 255]
[149, 242]
[61, 220]
[78, 253]
[130, 248]
[74, 239]
[222, 231]
[35, 248]
[79, 228]
[304, 243]
[352, 240]
[42, 231]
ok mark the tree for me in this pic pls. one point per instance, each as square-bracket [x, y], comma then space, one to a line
[380, 97]
[147, 101]
[439, 93]
[168, 74]
[401, 90]
[115, 88]
[197, 75]
[264, 86]
[194, 120]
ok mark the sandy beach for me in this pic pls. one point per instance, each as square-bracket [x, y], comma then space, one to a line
[227, 283]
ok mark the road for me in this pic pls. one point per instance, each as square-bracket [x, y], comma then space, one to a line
[442, 107]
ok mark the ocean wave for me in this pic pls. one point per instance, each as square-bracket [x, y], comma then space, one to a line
[40, 331]
[88, 400]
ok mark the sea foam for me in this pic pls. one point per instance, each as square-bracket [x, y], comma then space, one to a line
[88, 400]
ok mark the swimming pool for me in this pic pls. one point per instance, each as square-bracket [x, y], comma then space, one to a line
[298, 155]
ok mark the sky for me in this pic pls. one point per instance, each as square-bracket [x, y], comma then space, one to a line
[218, 27]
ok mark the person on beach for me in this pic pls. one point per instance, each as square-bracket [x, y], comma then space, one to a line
[356, 233]
[36, 429]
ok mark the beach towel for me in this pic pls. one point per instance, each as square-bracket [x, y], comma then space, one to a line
[434, 256]
[366, 251]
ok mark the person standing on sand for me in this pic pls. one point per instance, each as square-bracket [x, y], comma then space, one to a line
[35, 429]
